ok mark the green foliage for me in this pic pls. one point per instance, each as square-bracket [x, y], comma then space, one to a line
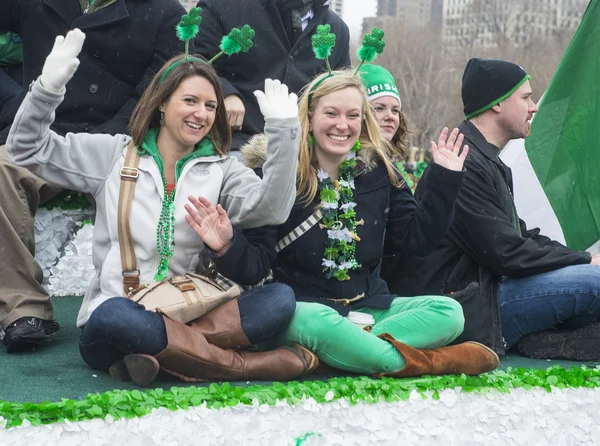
[237, 40]
[323, 41]
[188, 27]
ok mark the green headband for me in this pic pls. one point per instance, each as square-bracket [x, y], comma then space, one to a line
[319, 82]
[178, 62]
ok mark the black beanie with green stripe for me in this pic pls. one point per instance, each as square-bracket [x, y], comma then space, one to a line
[486, 82]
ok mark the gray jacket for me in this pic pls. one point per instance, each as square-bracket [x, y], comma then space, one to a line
[91, 163]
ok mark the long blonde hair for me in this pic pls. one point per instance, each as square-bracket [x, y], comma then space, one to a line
[373, 148]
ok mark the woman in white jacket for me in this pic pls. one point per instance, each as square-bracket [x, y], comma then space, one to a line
[180, 129]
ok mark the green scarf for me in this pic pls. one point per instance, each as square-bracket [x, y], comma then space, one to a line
[203, 148]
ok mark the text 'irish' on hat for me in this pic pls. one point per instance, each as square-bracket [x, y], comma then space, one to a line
[378, 81]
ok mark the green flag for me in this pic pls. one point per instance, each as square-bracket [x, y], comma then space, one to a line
[564, 145]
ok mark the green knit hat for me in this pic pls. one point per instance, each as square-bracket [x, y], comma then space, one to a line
[378, 81]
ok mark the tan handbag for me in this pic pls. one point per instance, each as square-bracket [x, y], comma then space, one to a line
[184, 298]
[181, 298]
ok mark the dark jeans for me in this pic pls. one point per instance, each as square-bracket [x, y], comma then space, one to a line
[119, 326]
[568, 298]
[10, 84]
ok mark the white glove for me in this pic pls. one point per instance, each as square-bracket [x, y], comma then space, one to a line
[62, 61]
[276, 102]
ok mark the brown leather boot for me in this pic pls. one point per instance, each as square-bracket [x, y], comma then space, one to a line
[223, 326]
[137, 367]
[470, 358]
[190, 357]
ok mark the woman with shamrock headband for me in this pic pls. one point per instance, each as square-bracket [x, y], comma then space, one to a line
[180, 129]
[344, 172]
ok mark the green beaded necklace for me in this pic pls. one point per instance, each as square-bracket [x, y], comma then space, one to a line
[165, 233]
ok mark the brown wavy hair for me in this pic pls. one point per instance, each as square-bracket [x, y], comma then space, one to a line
[373, 148]
[400, 138]
[146, 114]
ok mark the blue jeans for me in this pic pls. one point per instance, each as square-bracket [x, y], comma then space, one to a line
[568, 297]
[120, 326]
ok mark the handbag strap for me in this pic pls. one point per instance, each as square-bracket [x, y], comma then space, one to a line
[299, 230]
[129, 175]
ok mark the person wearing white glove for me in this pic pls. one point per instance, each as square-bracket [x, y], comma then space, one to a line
[99, 99]
[276, 101]
[62, 61]
[282, 50]
[350, 198]
[179, 127]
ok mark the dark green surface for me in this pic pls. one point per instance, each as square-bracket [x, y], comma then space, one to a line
[55, 370]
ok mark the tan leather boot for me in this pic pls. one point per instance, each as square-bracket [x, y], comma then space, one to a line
[470, 358]
[223, 326]
[190, 357]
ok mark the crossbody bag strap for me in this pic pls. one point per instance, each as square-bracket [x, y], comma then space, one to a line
[129, 175]
[299, 230]
[291, 237]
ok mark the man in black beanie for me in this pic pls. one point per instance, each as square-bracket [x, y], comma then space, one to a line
[517, 287]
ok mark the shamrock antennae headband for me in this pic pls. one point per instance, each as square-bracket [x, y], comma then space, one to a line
[238, 40]
[324, 40]
[372, 45]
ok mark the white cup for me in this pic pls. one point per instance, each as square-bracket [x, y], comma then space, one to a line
[363, 320]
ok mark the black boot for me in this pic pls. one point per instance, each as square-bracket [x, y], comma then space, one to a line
[581, 344]
[27, 332]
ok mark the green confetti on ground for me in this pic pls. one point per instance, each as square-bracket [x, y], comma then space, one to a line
[136, 403]
[67, 200]
[302, 439]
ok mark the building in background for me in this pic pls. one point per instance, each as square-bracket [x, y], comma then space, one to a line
[482, 23]
[496, 23]
[405, 13]
[337, 6]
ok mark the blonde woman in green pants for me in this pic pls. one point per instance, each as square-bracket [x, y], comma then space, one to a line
[334, 266]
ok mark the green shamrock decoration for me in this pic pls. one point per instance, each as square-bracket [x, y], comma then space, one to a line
[188, 27]
[237, 40]
[322, 43]
[372, 45]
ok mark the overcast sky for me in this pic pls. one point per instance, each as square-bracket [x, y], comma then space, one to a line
[353, 13]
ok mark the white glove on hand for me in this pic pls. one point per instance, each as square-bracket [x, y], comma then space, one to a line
[62, 61]
[276, 102]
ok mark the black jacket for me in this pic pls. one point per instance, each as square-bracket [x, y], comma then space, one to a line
[387, 212]
[272, 56]
[248, 260]
[486, 243]
[126, 43]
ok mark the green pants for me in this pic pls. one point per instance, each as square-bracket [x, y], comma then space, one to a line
[421, 322]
